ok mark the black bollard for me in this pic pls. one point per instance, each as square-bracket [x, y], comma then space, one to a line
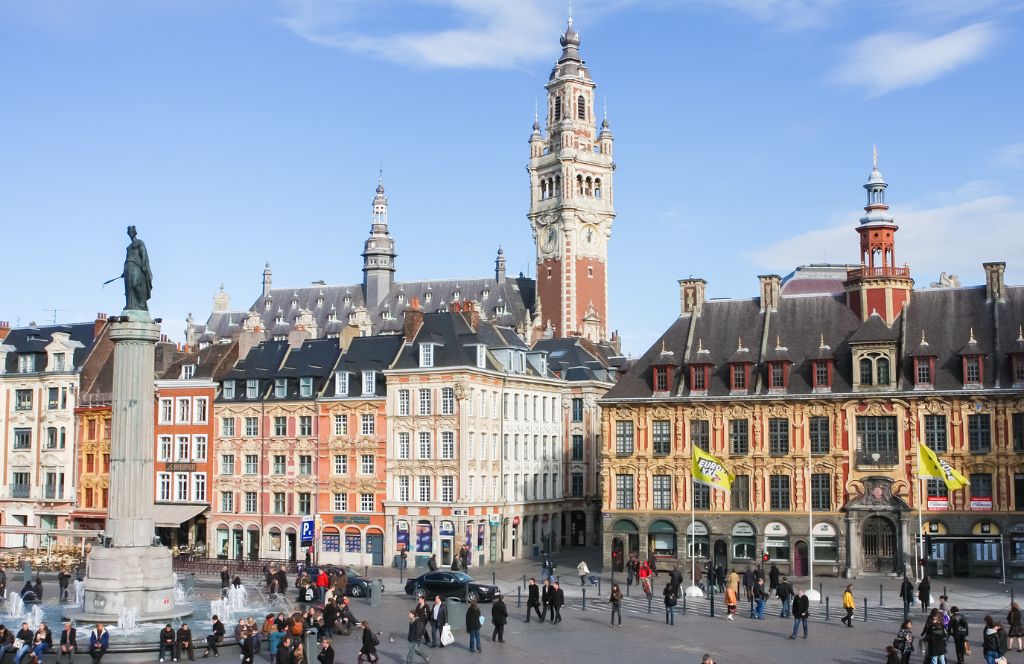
[881, 602]
[944, 593]
[523, 585]
[826, 609]
[684, 604]
[906, 609]
[519, 597]
[865, 609]
[627, 589]
[1011, 594]
[494, 579]
[584, 599]
[599, 586]
[366, 571]
[648, 603]
[821, 593]
[712, 605]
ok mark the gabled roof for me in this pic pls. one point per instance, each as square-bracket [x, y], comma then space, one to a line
[874, 329]
[34, 340]
[454, 336]
[262, 361]
[314, 358]
[366, 354]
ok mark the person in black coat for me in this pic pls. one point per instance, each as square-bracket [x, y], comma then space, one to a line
[432, 563]
[284, 652]
[473, 626]
[801, 610]
[557, 602]
[225, 580]
[282, 580]
[773, 578]
[907, 591]
[68, 641]
[185, 643]
[924, 593]
[959, 630]
[416, 631]
[326, 655]
[215, 638]
[533, 600]
[438, 619]
[936, 637]
[499, 616]
[368, 649]
[545, 600]
[167, 642]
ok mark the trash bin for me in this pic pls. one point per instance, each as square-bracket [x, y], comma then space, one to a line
[456, 613]
[376, 591]
[310, 643]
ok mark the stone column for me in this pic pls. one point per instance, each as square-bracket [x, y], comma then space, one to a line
[129, 515]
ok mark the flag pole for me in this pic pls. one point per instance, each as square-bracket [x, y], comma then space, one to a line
[811, 593]
[693, 590]
[920, 525]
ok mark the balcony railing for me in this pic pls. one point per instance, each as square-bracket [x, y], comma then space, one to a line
[52, 493]
[21, 490]
[865, 271]
[878, 458]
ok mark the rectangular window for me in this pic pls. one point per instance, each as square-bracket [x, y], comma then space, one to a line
[423, 492]
[576, 485]
[701, 496]
[305, 425]
[280, 463]
[624, 437]
[166, 411]
[279, 503]
[661, 379]
[341, 425]
[972, 370]
[700, 434]
[341, 383]
[577, 409]
[367, 424]
[252, 427]
[252, 388]
[340, 502]
[424, 401]
[876, 440]
[424, 449]
[366, 464]
[26, 363]
[697, 378]
[403, 402]
[403, 488]
[426, 355]
[305, 503]
[661, 436]
[228, 391]
[821, 492]
[935, 433]
[938, 489]
[305, 465]
[776, 376]
[979, 433]
[227, 427]
[447, 488]
[23, 439]
[739, 437]
[981, 488]
[280, 426]
[624, 492]
[199, 487]
[661, 492]
[739, 377]
[227, 501]
[59, 361]
[821, 374]
[818, 434]
[306, 387]
[924, 371]
[1018, 431]
[280, 388]
[447, 444]
[181, 487]
[778, 436]
[227, 464]
[251, 502]
[182, 449]
[252, 464]
[366, 502]
[577, 447]
[447, 401]
[163, 449]
[199, 448]
[369, 383]
[739, 497]
[403, 445]
[163, 487]
[340, 464]
[778, 492]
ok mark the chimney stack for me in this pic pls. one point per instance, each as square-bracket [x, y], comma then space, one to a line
[5, 329]
[995, 284]
[413, 320]
[771, 287]
[101, 320]
[691, 295]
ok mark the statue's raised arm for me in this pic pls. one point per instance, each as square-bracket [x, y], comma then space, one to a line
[138, 278]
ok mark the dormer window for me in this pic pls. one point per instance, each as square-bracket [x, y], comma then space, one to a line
[369, 383]
[58, 362]
[252, 387]
[456, 295]
[972, 358]
[481, 356]
[426, 355]
[699, 378]
[776, 376]
[867, 372]
[348, 300]
[401, 298]
[738, 379]
[26, 363]
[822, 377]
[229, 389]
[319, 302]
[485, 294]
[187, 371]
[662, 378]
[341, 383]
[280, 388]
[280, 318]
[882, 370]
[267, 304]
[972, 370]
[428, 296]
[700, 370]
[306, 387]
[922, 371]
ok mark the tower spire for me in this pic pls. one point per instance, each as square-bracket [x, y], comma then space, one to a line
[570, 13]
[378, 250]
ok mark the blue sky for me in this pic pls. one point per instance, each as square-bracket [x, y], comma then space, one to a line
[240, 131]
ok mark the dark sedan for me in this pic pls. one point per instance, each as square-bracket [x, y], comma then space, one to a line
[450, 584]
[358, 585]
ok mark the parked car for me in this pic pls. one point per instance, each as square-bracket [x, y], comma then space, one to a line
[450, 584]
[358, 585]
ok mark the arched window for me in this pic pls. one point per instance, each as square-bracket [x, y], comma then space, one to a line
[882, 365]
[579, 185]
[558, 185]
[558, 108]
[866, 371]
[581, 108]
[543, 189]
[597, 188]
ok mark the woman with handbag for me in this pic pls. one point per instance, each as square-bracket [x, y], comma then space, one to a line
[616, 601]
[990, 641]
[904, 641]
[671, 599]
[473, 622]
[1013, 619]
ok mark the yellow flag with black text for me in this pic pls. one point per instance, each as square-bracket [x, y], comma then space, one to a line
[930, 465]
[709, 470]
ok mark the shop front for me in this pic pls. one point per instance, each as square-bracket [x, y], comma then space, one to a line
[976, 553]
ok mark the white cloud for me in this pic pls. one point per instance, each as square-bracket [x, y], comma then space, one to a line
[955, 238]
[484, 34]
[1010, 156]
[892, 60]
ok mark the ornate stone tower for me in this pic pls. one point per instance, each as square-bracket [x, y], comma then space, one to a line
[571, 200]
[878, 285]
[378, 253]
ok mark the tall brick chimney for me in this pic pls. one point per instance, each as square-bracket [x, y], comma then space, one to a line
[5, 329]
[691, 295]
[101, 320]
[995, 284]
[413, 320]
[771, 289]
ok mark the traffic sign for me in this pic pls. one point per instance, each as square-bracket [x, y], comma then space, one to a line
[308, 531]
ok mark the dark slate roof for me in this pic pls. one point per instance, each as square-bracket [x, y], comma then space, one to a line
[457, 341]
[34, 340]
[946, 316]
[211, 362]
[262, 363]
[366, 354]
[575, 359]
[315, 357]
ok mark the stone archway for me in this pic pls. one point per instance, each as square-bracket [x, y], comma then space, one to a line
[879, 546]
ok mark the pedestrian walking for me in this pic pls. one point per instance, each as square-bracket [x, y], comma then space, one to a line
[225, 581]
[924, 593]
[438, 619]
[730, 602]
[645, 577]
[935, 637]
[368, 648]
[676, 578]
[545, 600]
[760, 598]
[892, 656]
[784, 591]
[499, 617]
[671, 599]
[733, 581]
[632, 569]
[959, 630]
[473, 622]
[849, 604]
[719, 578]
[993, 640]
[904, 641]
[906, 592]
[416, 630]
[583, 571]
[1015, 628]
[616, 601]
[773, 579]
[63, 579]
[533, 600]
[801, 611]
[422, 612]
[748, 588]
[432, 562]
[557, 602]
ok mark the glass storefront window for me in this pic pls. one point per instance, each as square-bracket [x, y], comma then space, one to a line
[777, 548]
[744, 541]
[826, 549]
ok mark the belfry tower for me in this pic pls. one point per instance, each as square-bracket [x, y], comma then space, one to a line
[571, 200]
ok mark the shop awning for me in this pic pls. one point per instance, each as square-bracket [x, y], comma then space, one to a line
[172, 516]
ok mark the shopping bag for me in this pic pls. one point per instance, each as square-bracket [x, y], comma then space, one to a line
[447, 638]
[967, 647]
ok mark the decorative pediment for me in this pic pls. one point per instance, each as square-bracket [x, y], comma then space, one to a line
[875, 494]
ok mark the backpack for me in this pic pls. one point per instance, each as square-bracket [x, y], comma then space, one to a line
[374, 639]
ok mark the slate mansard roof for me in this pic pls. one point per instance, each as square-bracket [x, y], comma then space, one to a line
[366, 354]
[34, 340]
[822, 326]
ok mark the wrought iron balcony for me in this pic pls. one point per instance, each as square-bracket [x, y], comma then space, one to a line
[21, 490]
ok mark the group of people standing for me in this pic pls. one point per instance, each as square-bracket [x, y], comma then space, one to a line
[948, 623]
[546, 601]
[429, 625]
